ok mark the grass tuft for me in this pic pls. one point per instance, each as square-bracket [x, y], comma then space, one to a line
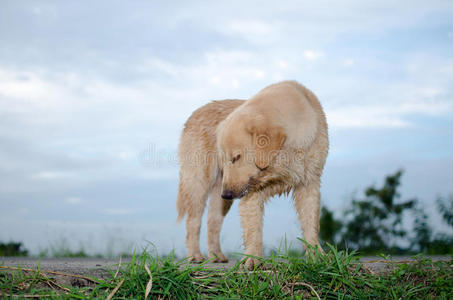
[332, 275]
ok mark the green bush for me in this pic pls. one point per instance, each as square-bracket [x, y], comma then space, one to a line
[12, 249]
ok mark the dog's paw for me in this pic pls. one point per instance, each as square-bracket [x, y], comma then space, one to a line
[250, 263]
[218, 257]
[197, 258]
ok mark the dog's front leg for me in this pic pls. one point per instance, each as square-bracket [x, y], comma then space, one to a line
[251, 209]
[307, 202]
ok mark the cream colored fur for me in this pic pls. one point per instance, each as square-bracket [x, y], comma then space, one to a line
[273, 143]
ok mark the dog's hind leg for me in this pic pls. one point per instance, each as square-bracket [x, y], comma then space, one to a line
[307, 203]
[218, 208]
[196, 196]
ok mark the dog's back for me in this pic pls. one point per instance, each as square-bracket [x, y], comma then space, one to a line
[197, 151]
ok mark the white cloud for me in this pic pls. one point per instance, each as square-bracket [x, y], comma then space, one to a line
[73, 200]
[312, 55]
[348, 62]
[28, 87]
[235, 83]
[37, 11]
[125, 155]
[49, 175]
[282, 64]
[257, 31]
[250, 27]
[222, 57]
[298, 22]
[153, 64]
[364, 117]
[215, 80]
[118, 211]
[385, 115]
[259, 74]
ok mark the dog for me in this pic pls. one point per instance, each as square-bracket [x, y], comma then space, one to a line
[271, 144]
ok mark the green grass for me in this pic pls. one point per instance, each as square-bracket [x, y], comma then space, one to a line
[334, 275]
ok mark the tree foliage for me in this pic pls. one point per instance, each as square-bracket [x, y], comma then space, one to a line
[445, 207]
[330, 227]
[424, 240]
[12, 249]
[374, 223]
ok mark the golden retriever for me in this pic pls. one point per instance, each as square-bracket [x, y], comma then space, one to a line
[274, 143]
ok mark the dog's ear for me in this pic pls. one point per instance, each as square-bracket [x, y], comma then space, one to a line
[267, 141]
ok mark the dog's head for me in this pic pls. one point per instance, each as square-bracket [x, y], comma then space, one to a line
[247, 147]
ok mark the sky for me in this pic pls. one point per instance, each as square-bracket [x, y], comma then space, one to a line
[94, 95]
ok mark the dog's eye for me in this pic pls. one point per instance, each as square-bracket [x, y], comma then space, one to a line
[235, 159]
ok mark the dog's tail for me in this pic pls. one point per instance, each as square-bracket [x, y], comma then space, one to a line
[181, 205]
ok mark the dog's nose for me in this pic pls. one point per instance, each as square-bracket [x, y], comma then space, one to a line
[228, 195]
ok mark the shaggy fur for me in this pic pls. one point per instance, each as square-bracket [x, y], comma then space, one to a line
[274, 143]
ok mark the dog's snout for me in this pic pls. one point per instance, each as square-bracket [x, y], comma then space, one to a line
[228, 195]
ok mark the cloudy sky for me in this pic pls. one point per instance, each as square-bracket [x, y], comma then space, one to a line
[93, 96]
